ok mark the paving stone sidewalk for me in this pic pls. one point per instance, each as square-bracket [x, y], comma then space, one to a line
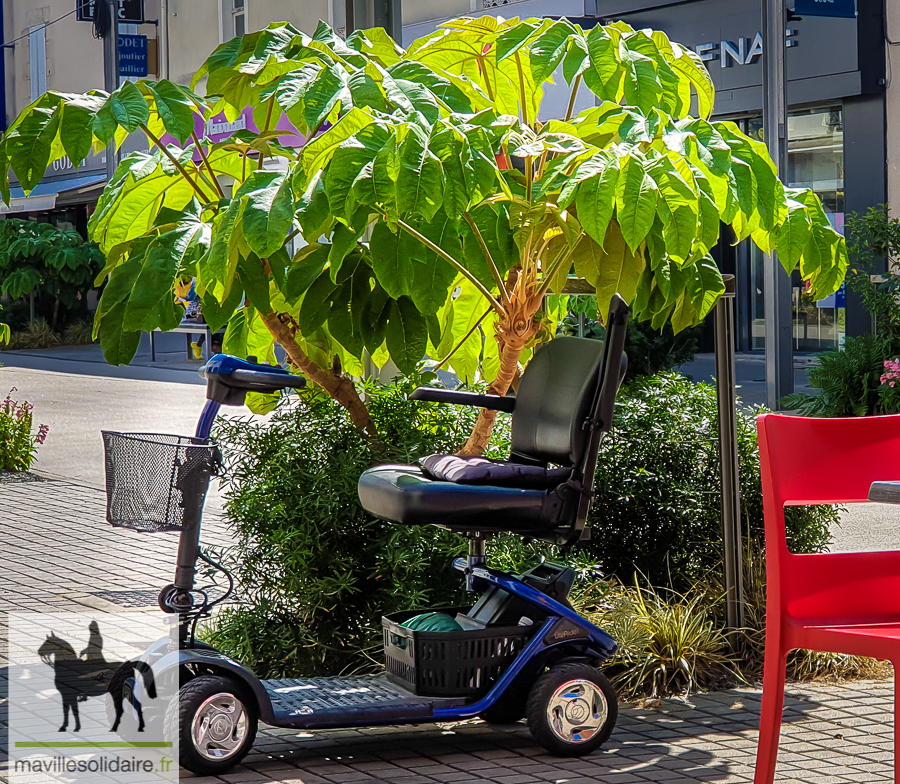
[56, 553]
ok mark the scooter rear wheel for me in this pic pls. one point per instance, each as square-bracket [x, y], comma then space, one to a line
[214, 720]
[572, 709]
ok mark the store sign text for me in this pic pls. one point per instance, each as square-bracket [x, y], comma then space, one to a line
[744, 51]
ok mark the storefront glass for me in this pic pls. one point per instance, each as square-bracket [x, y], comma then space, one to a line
[815, 161]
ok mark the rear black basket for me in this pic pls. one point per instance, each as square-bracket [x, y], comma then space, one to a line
[448, 664]
[157, 482]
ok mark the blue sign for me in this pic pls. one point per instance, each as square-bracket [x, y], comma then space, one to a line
[132, 55]
[843, 9]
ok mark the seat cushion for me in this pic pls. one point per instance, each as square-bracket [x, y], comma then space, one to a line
[498, 473]
[403, 494]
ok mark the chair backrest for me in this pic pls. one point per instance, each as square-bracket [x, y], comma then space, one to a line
[553, 401]
[568, 383]
[805, 461]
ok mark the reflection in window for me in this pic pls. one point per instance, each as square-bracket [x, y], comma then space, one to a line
[815, 161]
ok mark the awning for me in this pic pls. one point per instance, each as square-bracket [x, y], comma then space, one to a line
[45, 194]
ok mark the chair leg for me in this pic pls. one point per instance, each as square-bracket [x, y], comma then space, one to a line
[770, 714]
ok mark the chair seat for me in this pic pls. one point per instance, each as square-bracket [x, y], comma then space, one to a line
[873, 637]
[403, 494]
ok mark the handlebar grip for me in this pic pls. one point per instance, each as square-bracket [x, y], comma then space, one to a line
[260, 378]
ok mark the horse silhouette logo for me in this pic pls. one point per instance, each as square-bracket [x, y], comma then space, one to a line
[80, 676]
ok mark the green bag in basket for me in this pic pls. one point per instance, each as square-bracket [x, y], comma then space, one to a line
[433, 622]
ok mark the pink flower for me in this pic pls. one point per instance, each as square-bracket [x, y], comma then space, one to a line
[892, 383]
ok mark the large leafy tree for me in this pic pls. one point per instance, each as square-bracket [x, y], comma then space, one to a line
[440, 212]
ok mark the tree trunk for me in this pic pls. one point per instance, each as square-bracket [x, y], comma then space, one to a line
[334, 382]
[484, 426]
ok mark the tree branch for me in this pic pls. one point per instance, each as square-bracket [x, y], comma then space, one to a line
[571, 108]
[448, 258]
[266, 129]
[554, 268]
[522, 96]
[498, 278]
[176, 164]
[212, 174]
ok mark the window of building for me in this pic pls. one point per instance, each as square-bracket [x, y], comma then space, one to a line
[815, 161]
[37, 53]
[234, 18]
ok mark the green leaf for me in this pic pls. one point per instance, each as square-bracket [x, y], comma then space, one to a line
[216, 315]
[420, 181]
[595, 200]
[704, 286]
[255, 282]
[642, 85]
[128, 107]
[119, 346]
[393, 259]
[316, 304]
[75, 128]
[269, 211]
[343, 241]
[636, 197]
[407, 335]
[151, 303]
[604, 73]
[29, 145]
[373, 323]
[306, 266]
[548, 49]
[792, 237]
[329, 91]
[175, 107]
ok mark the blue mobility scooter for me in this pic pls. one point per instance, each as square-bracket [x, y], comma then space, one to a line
[520, 652]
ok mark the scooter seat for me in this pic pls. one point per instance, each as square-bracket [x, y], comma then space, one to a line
[403, 494]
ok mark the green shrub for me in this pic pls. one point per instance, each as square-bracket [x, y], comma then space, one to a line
[78, 333]
[657, 509]
[668, 642]
[316, 572]
[34, 336]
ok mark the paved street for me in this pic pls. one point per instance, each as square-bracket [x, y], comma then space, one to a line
[57, 554]
[833, 733]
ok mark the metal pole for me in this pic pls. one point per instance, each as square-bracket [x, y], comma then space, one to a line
[111, 77]
[728, 453]
[779, 319]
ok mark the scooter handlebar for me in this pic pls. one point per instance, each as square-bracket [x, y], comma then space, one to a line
[259, 379]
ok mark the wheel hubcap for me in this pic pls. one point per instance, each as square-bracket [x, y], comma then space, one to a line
[220, 727]
[577, 711]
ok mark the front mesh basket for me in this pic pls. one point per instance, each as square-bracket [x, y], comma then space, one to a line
[157, 482]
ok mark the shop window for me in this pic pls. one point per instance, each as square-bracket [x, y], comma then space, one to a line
[815, 161]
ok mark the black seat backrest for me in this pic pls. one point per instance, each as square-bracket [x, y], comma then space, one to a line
[554, 400]
[569, 383]
[564, 407]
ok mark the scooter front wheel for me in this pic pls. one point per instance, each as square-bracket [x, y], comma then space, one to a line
[572, 709]
[214, 721]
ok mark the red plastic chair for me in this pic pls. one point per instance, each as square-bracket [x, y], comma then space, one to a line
[834, 602]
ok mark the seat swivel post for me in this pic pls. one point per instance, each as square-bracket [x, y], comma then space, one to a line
[475, 557]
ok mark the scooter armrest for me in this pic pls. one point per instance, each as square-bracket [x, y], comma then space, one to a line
[493, 402]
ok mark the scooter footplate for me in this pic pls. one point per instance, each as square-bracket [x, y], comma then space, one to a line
[346, 702]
